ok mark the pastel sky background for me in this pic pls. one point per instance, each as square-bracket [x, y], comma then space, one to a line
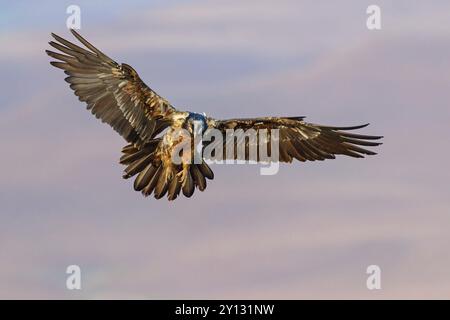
[309, 231]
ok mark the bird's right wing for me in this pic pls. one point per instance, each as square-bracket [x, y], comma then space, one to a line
[114, 93]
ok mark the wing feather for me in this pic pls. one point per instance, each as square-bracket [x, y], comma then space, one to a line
[305, 141]
[114, 93]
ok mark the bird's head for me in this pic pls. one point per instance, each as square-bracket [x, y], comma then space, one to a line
[197, 120]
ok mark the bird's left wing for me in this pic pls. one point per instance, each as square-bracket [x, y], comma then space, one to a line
[299, 139]
[113, 92]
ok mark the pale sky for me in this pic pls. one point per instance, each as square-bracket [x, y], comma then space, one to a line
[308, 232]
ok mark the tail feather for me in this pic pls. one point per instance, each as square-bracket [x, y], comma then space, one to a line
[137, 166]
[152, 184]
[144, 177]
[174, 189]
[188, 186]
[199, 178]
[206, 170]
[152, 176]
[161, 187]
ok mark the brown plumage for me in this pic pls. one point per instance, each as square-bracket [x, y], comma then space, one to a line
[116, 95]
[305, 141]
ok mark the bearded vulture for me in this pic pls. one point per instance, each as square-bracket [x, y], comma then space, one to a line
[116, 95]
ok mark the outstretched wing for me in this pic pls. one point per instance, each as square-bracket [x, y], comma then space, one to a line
[301, 140]
[114, 93]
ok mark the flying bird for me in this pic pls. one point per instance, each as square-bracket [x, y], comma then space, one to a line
[115, 94]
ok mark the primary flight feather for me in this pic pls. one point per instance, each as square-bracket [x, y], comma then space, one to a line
[116, 95]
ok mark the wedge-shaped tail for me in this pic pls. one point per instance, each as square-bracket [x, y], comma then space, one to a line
[157, 177]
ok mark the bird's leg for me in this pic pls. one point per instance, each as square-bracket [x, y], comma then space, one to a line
[182, 175]
[186, 159]
[170, 172]
[186, 163]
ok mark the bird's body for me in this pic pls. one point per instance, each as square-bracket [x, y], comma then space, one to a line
[156, 131]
